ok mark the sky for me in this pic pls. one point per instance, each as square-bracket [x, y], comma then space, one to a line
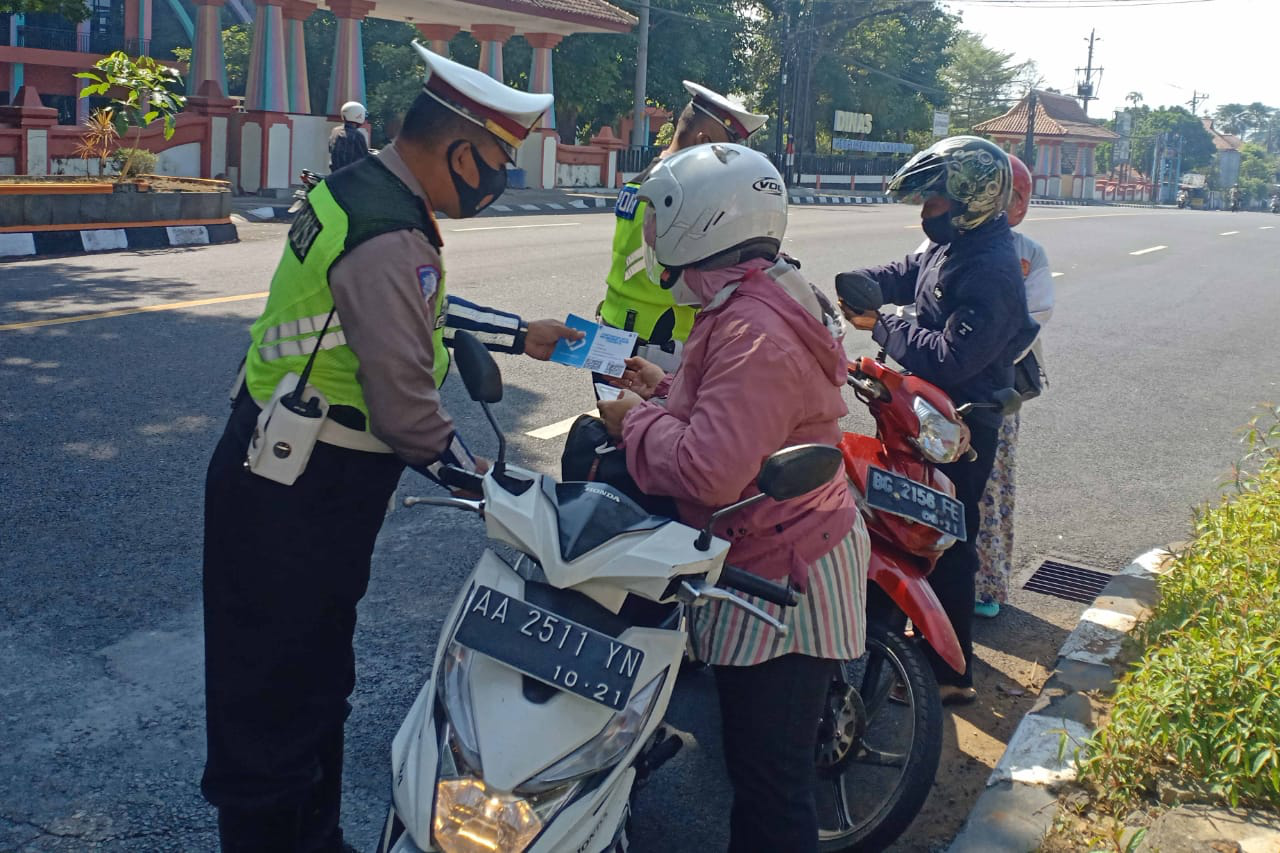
[1165, 49]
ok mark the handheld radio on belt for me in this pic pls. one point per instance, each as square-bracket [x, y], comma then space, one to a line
[289, 424]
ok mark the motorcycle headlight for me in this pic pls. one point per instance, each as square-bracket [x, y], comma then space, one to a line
[602, 750]
[938, 438]
[470, 818]
[456, 699]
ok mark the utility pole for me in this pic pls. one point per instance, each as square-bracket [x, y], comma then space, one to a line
[1196, 98]
[779, 132]
[1177, 163]
[638, 136]
[1029, 145]
[1156, 188]
[1085, 90]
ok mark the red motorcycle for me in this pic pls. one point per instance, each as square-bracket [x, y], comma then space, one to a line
[881, 735]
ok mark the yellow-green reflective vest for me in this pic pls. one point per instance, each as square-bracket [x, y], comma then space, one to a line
[634, 301]
[351, 206]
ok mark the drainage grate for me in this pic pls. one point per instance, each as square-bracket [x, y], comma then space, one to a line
[1065, 580]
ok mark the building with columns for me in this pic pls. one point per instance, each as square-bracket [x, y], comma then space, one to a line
[1065, 142]
[261, 144]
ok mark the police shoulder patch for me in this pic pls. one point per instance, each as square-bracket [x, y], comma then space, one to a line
[628, 201]
[428, 280]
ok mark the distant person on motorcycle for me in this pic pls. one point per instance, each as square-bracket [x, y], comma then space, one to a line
[1234, 196]
[633, 301]
[346, 142]
[971, 324]
[995, 535]
[763, 369]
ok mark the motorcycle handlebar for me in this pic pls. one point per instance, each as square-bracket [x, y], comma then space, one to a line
[744, 581]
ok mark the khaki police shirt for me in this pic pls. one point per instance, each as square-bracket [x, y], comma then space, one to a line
[386, 292]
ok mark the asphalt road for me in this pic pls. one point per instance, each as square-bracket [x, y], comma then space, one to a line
[1154, 361]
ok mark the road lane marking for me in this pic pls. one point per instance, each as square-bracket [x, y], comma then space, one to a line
[1053, 218]
[558, 428]
[125, 312]
[1265, 227]
[511, 227]
[1228, 233]
[1055, 275]
[1148, 251]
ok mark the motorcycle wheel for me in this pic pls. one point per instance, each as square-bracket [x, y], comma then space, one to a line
[877, 755]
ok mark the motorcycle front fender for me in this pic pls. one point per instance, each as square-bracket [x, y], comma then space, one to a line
[910, 591]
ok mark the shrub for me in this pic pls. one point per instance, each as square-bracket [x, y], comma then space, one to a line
[134, 161]
[99, 137]
[1203, 704]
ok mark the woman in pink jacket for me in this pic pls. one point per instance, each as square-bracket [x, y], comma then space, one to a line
[762, 370]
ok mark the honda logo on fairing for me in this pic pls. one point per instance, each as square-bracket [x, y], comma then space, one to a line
[772, 186]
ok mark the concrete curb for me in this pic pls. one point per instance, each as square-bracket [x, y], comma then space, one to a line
[276, 213]
[1016, 810]
[20, 245]
[813, 198]
[576, 205]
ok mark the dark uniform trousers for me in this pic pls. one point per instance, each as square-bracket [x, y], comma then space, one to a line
[954, 579]
[284, 567]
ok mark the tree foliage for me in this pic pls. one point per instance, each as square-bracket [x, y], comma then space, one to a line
[983, 81]
[73, 10]
[1258, 172]
[1174, 123]
[1255, 122]
[142, 89]
[237, 42]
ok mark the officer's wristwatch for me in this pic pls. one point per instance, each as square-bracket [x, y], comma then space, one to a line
[522, 332]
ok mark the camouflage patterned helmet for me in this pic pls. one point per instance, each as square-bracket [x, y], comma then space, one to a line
[972, 172]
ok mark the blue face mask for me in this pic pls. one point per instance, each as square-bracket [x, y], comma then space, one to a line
[939, 228]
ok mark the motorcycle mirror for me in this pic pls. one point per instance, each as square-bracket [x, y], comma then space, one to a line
[798, 470]
[1008, 401]
[477, 368]
[858, 292]
[789, 473]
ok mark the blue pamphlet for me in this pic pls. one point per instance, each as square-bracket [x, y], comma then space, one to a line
[603, 349]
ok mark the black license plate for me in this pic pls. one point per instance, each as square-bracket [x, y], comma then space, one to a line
[902, 496]
[550, 647]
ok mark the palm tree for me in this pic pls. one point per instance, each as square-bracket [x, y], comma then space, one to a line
[1134, 98]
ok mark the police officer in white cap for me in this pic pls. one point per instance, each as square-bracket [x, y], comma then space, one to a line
[633, 301]
[339, 394]
[346, 142]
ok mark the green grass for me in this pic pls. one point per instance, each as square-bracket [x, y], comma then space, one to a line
[1202, 706]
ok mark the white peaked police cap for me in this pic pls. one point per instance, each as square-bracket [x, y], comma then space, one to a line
[736, 120]
[509, 114]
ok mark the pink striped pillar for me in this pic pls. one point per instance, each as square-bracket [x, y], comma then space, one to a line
[295, 54]
[541, 76]
[207, 61]
[346, 78]
[438, 36]
[268, 85]
[491, 37]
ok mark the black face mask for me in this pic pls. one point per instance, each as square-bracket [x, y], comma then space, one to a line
[939, 228]
[493, 182]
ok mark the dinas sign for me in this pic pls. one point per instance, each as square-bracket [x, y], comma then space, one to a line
[852, 122]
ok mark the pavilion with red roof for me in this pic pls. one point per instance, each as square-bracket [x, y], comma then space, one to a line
[1065, 142]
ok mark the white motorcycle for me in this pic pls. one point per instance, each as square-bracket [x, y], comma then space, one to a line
[544, 709]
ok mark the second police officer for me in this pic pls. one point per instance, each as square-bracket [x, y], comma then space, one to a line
[633, 301]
